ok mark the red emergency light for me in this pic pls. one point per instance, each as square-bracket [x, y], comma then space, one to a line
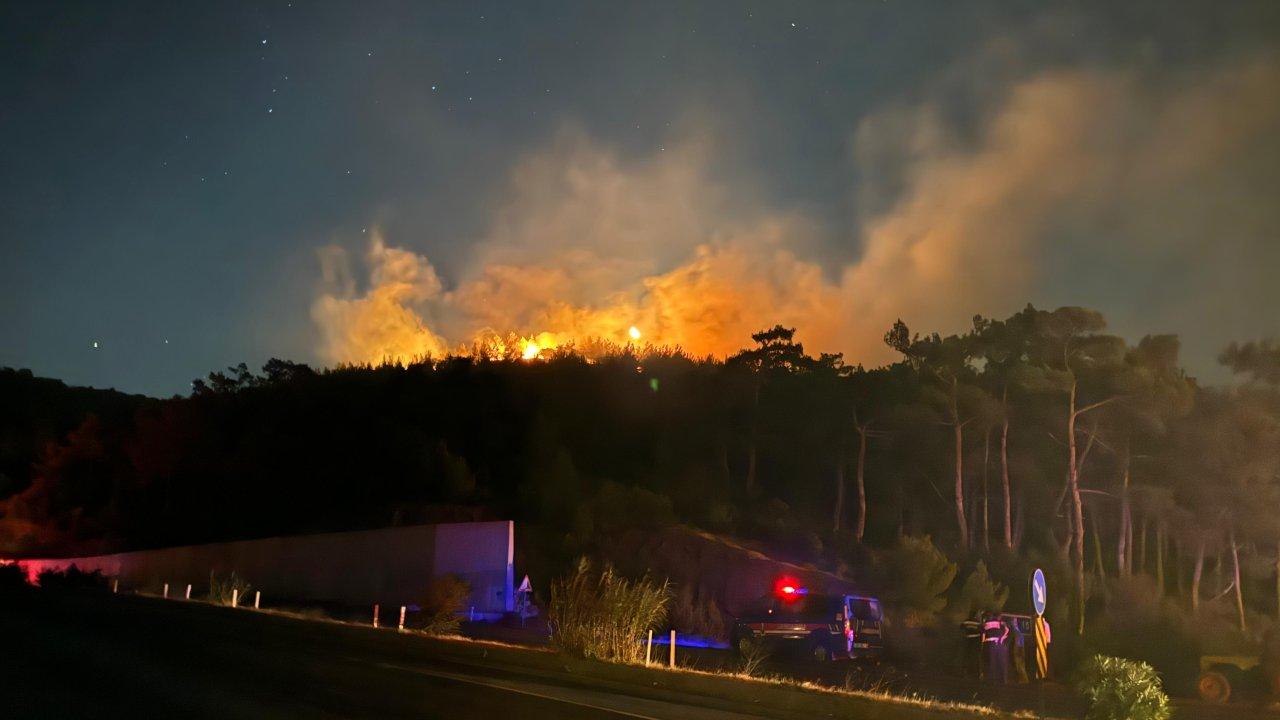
[788, 588]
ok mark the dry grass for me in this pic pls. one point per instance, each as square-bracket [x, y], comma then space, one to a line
[753, 653]
[603, 616]
[222, 590]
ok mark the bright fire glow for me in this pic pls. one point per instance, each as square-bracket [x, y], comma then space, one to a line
[530, 351]
[634, 332]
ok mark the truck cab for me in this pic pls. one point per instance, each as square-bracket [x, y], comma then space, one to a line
[826, 626]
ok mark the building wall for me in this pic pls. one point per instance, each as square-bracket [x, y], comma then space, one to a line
[390, 566]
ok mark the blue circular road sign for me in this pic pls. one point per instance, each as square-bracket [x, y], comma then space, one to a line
[1039, 592]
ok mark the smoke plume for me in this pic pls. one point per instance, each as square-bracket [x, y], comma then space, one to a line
[590, 244]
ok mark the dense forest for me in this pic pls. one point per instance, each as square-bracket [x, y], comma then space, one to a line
[1037, 439]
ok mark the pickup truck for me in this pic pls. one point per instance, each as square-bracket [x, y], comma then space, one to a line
[827, 627]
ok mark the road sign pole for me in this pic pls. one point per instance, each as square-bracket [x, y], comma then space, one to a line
[1039, 598]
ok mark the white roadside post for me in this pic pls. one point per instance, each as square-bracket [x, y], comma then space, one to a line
[673, 648]
[402, 609]
[375, 615]
[257, 595]
[188, 591]
[648, 649]
[115, 585]
[235, 597]
[166, 591]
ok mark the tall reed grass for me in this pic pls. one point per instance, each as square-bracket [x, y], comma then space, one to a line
[603, 616]
[221, 588]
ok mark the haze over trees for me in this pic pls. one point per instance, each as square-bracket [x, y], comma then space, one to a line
[1033, 439]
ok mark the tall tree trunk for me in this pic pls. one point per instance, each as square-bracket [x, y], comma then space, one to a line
[1160, 557]
[1179, 566]
[1196, 575]
[1098, 563]
[958, 431]
[1124, 540]
[1142, 545]
[1073, 479]
[986, 529]
[861, 527]
[1217, 569]
[1235, 571]
[1004, 476]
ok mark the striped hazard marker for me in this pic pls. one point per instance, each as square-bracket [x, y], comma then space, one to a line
[1042, 648]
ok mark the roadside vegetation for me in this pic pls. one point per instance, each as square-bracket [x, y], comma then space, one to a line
[441, 605]
[1120, 689]
[72, 579]
[601, 615]
[223, 589]
[937, 480]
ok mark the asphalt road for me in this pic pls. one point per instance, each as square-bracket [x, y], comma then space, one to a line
[114, 656]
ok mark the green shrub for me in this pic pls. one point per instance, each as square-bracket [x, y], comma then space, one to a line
[917, 574]
[442, 605]
[1122, 689]
[603, 615]
[223, 589]
[978, 593]
[1136, 623]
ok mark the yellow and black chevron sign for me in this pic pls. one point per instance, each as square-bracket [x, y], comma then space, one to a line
[1042, 648]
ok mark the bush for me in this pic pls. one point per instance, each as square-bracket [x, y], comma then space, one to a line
[616, 509]
[917, 574]
[1122, 689]
[1136, 623]
[442, 605]
[13, 579]
[72, 579]
[603, 615]
[222, 590]
[978, 593]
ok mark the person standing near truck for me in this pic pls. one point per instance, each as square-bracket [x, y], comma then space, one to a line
[995, 649]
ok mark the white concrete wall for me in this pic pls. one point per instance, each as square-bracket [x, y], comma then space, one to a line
[390, 566]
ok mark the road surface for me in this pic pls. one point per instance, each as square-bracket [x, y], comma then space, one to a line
[116, 656]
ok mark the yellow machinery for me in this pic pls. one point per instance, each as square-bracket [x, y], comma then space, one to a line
[1219, 673]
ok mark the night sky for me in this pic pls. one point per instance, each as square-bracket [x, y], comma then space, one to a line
[187, 186]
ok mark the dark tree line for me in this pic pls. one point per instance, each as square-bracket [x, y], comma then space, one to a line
[1036, 438]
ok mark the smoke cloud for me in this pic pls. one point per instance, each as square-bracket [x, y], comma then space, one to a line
[589, 243]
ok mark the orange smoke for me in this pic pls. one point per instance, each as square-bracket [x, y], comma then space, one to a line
[589, 245]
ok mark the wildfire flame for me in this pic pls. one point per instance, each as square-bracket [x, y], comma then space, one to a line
[531, 350]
